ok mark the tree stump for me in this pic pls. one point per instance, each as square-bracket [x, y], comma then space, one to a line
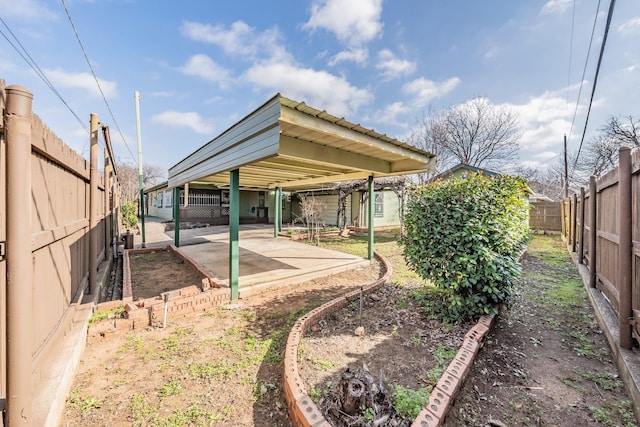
[356, 390]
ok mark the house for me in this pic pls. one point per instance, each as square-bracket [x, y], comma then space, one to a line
[209, 203]
[461, 170]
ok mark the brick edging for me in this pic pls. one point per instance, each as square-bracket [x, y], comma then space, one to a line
[304, 412]
[446, 390]
[150, 311]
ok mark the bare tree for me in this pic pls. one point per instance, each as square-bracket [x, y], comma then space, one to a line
[626, 133]
[129, 181]
[427, 136]
[601, 152]
[312, 211]
[548, 183]
[475, 133]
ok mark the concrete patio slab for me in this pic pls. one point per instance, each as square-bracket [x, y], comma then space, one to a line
[266, 262]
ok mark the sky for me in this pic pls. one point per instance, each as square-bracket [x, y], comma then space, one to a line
[201, 66]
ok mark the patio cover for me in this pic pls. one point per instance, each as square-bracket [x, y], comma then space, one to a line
[287, 144]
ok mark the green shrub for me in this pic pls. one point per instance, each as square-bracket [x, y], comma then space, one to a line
[129, 217]
[465, 236]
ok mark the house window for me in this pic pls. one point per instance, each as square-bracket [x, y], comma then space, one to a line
[159, 199]
[261, 199]
[378, 209]
[168, 198]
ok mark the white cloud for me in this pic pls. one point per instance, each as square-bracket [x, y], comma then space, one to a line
[391, 112]
[631, 26]
[187, 119]
[206, 68]
[393, 67]
[84, 81]
[544, 119]
[239, 39]
[354, 22]
[491, 53]
[319, 89]
[424, 90]
[32, 10]
[553, 7]
[359, 56]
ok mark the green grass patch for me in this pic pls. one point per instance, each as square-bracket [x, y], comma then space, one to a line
[549, 249]
[604, 380]
[100, 315]
[408, 403]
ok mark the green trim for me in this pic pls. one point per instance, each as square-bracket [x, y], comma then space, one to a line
[176, 217]
[234, 226]
[370, 210]
[277, 216]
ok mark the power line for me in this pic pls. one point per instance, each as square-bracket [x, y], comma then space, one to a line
[595, 80]
[34, 66]
[573, 19]
[584, 72]
[104, 98]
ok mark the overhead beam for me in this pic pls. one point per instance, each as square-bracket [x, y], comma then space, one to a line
[322, 154]
[301, 119]
[321, 180]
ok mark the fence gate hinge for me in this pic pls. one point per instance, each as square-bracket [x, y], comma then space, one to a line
[2, 246]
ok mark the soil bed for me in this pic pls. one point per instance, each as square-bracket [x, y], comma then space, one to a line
[400, 346]
[153, 273]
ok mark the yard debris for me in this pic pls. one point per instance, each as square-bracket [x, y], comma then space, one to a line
[359, 401]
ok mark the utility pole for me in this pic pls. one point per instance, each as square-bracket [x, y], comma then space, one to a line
[566, 169]
[136, 95]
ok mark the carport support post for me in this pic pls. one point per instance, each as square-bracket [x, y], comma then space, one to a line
[19, 326]
[277, 216]
[234, 225]
[176, 217]
[370, 207]
[625, 255]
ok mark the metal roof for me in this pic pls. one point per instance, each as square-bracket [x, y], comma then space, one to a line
[288, 144]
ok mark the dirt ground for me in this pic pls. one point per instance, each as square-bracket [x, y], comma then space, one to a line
[545, 361]
[157, 272]
[220, 368]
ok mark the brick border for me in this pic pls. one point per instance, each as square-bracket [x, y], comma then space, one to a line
[304, 412]
[150, 311]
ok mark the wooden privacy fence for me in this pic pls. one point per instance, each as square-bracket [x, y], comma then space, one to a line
[601, 224]
[545, 215]
[57, 222]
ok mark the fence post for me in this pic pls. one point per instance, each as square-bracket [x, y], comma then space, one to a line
[593, 232]
[107, 211]
[93, 206]
[581, 232]
[574, 217]
[563, 230]
[19, 276]
[625, 247]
